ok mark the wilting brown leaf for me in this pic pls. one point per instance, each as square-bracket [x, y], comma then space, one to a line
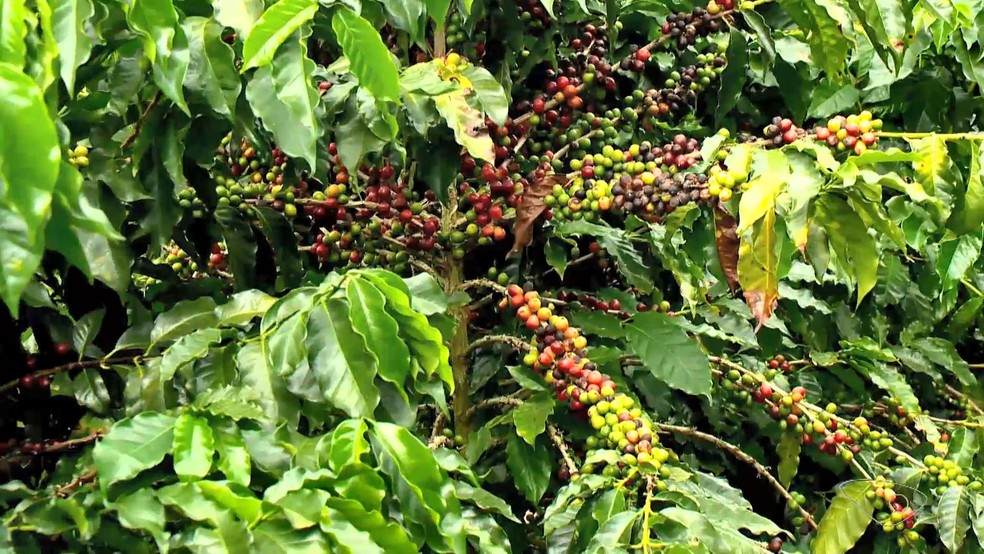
[758, 265]
[530, 208]
[726, 238]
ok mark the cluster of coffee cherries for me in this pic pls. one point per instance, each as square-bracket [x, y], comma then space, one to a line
[782, 131]
[793, 506]
[778, 363]
[183, 265]
[891, 409]
[892, 511]
[533, 14]
[686, 27]
[79, 156]
[722, 182]
[188, 200]
[254, 175]
[947, 473]
[458, 38]
[856, 132]
[560, 354]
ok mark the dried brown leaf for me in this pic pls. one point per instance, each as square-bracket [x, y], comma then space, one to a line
[530, 208]
[726, 238]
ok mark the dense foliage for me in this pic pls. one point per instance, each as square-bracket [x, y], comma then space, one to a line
[491, 276]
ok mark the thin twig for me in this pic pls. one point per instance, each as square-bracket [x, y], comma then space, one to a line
[140, 122]
[67, 489]
[437, 440]
[69, 367]
[499, 339]
[558, 440]
[741, 455]
[496, 402]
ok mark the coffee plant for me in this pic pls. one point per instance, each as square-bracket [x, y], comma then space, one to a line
[491, 276]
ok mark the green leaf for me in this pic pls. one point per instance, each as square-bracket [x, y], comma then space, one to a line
[287, 350]
[277, 536]
[186, 316]
[425, 341]
[141, 511]
[968, 214]
[280, 234]
[956, 257]
[409, 461]
[856, 250]
[944, 354]
[491, 96]
[243, 307]
[613, 533]
[953, 512]
[963, 447]
[190, 499]
[187, 349]
[426, 294]
[770, 171]
[669, 353]
[370, 60]
[90, 391]
[964, 318]
[615, 242]
[234, 459]
[789, 451]
[256, 372]
[717, 537]
[735, 75]
[13, 31]
[355, 137]
[483, 499]
[133, 444]
[68, 20]
[467, 123]
[211, 70]
[347, 443]
[303, 507]
[845, 520]
[367, 311]
[194, 446]
[529, 467]
[828, 41]
[438, 11]
[358, 531]
[556, 256]
[339, 359]
[29, 166]
[274, 27]
[831, 98]
[405, 15]
[165, 45]
[885, 24]
[531, 416]
[241, 15]
[282, 94]
[85, 331]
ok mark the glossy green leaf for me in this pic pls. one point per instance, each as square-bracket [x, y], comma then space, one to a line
[953, 512]
[187, 349]
[194, 446]
[234, 460]
[244, 307]
[29, 166]
[406, 15]
[274, 27]
[280, 537]
[614, 532]
[379, 329]
[91, 391]
[944, 354]
[483, 499]
[256, 372]
[770, 170]
[735, 75]
[437, 10]
[165, 44]
[133, 444]
[669, 353]
[968, 214]
[856, 250]
[340, 361]
[529, 466]
[141, 511]
[282, 94]
[68, 19]
[426, 294]
[530, 417]
[211, 71]
[491, 97]
[182, 319]
[370, 60]
[356, 531]
[190, 500]
[241, 15]
[845, 520]
[828, 43]
[13, 30]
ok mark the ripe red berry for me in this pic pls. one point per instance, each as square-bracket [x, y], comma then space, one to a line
[765, 390]
[643, 55]
[62, 348]
[539, 106]
[790, 136]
